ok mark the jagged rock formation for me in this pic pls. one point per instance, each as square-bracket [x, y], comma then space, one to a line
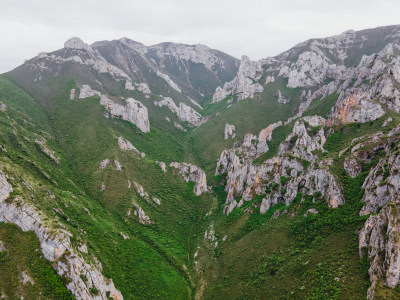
[193, 173]
[229, 131]
[56, 247]
[382, 184]
[248, 180]
[143, 218]
[355, 108]
[134, 111]
[307, 136]
[184, 112]
[245, 84]
[380, 239]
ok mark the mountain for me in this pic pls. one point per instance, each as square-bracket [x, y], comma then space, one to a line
[179, 172]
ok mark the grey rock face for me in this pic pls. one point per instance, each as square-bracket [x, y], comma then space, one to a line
[192, 173]
[355, 107]
[76, 43]
[3, 107]
[352, 167]
[134, 111]
[305, 138]
[248, 180]
[382, 185]
[229, 131]
[169, 81]
[245, 84]
[311, 69]
[87, 92]
[184, 112]
[379, 238]
[55, 243]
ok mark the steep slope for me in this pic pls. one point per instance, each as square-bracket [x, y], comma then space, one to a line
[179, 174]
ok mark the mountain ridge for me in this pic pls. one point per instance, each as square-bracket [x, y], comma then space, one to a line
[184, 157]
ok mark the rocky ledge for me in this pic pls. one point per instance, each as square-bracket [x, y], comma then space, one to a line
[57, 248]
[192, 173]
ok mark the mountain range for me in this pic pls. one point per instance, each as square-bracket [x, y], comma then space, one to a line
[177, 171]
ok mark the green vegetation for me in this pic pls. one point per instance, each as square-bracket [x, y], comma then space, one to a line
[22, 255]
[321, 107]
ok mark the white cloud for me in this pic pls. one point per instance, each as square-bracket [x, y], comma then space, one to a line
[254, 27]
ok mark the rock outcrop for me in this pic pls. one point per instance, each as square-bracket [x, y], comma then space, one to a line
[382, 185]
[72, 94]
[3, 107]
[312, 69]
[245, 84]
[282, 177]
[229, 131]
[56, 247]
[355, 107]
[134, 111]
[192, 173]
[169, 81]
[162, 165]
[126, 145]
[47, 151]
[76, 43]
[142, 216]
[86, 92]
[380, 239]
[307, 136]
[184, 112]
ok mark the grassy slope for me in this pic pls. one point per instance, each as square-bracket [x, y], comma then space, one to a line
[22, 255]
[293, 251]
[82, 138]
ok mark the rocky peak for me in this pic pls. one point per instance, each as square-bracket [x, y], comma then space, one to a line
[76, 43]
[245, 84]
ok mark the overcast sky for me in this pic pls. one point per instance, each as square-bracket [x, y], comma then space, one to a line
[253, 27]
